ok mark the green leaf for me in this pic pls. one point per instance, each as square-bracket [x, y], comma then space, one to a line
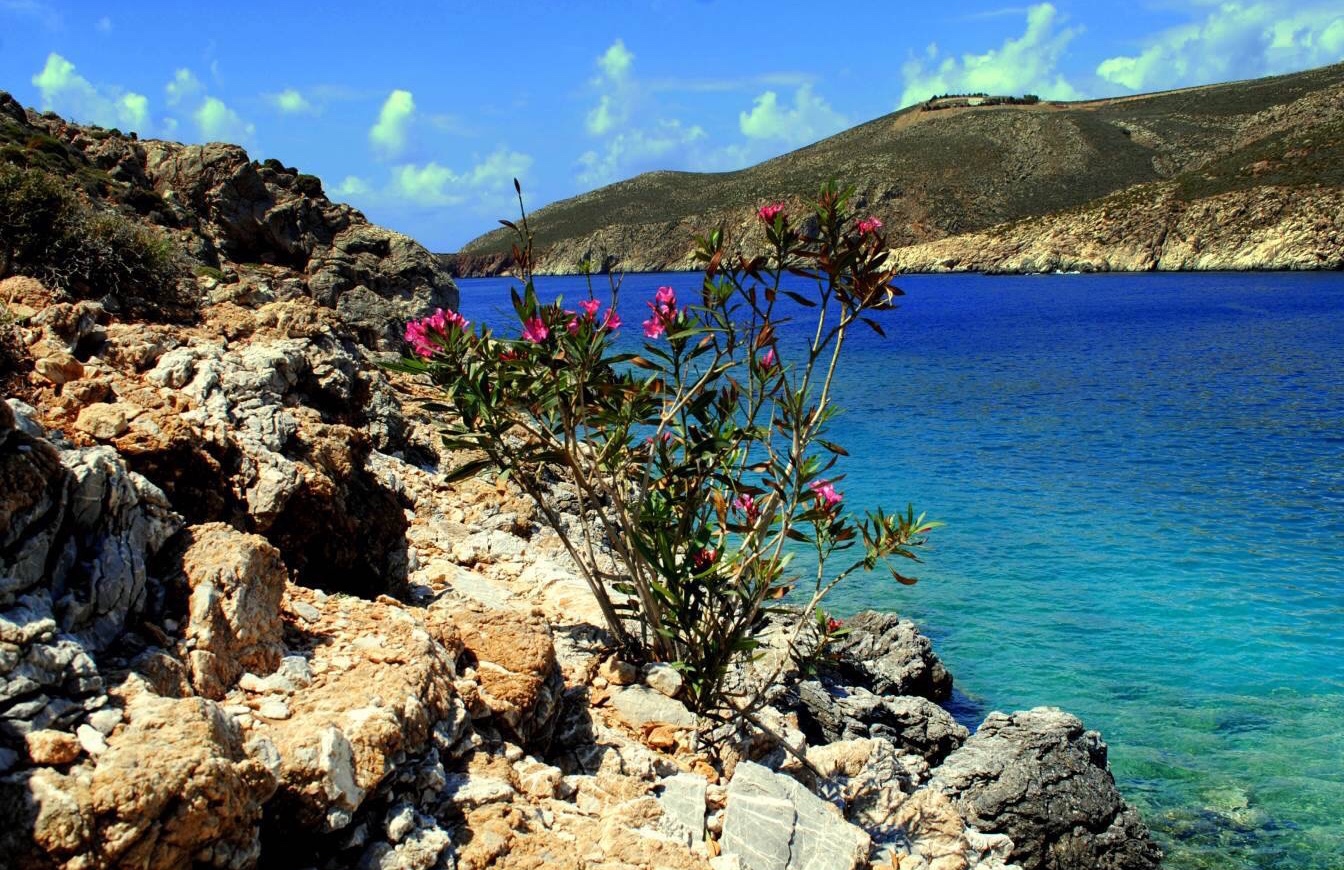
[468, 469]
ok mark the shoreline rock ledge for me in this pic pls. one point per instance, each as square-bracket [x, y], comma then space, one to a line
[246, 621]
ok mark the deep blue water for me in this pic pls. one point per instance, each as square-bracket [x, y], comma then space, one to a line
[1142, 478]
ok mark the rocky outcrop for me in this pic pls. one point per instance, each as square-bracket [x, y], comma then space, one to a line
[1155, 229]
[773, 823]
[1042, 779]
[890, 656]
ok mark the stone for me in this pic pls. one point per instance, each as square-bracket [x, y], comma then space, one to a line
[830, 712]
[663, 678]
[772, 822]
[273, 709]
[233, 623]
[518, 678]
[51, 748]
[617, 672]
[59, 368]
[1041, 779]
[468, 791]
[683, 800]
[105, 720]
[640, 706]
[103, 421]
[888, 656]
[91, 739]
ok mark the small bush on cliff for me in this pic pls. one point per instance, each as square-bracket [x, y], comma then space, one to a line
[699, 465]
[49, 233]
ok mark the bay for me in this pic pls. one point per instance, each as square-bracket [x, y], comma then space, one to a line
[1142, 478]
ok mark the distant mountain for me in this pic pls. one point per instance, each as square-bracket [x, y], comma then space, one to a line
[1246, 174]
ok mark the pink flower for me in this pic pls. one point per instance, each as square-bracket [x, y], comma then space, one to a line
[747, 505]
[612, 320]
[573, 325]
[768, 359]
[868, 226]
[768, 213]
[833, 624]
[422, 334]
[702, 559]
[590, 307]
[664, 308]
[826, 495]
[535, 330]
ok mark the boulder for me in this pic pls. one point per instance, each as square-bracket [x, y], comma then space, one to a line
[771, 822]
[233, 615]
[888, 656]
[829, 712]
[1043, 780]
[517, 683]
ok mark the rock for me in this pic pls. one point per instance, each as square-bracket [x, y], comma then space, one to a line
[683, 800]
[174, 787]
[640, 706]
[91, 739]
[51, 748]
[617, 672]
[519, 682]
[830, 712]
[773, 823]
[102, 421]
[1041, 779]
[59, 368]
[663, 678]
[468, 791]
[105, 720]
[888, 656]
[233, 623]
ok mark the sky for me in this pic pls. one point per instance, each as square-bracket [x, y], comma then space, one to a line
[422, 113]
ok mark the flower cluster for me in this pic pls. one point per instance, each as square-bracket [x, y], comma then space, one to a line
[664, 308]
[768, 213]
[747, 505]
[869, 226]
[423, 335]
[827, 497]
[610, 321]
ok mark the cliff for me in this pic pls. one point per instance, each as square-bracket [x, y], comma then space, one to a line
[246, 620]
[1035, 182]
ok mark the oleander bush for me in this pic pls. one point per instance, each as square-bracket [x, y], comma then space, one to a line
[701, 465]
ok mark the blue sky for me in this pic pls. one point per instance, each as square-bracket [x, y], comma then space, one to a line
[422, 116]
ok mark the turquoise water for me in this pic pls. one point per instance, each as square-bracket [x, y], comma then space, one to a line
[1142, 478]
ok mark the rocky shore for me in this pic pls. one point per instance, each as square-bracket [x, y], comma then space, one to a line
[245, 621]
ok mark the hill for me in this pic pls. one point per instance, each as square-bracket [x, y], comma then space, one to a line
[934, 175]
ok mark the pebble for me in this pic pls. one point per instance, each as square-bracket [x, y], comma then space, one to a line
[305, 611]
[105, 720]
[664, 679]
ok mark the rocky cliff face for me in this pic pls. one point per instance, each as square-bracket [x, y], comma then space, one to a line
[245, 621]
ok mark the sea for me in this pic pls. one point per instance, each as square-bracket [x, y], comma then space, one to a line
[1141, 478]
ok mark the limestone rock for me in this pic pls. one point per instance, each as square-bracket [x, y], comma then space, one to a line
[640, 706]
[888, 656]
[174, 788]
[233, 622]
[833, 712]
[1043, 780]
[48, 748]
[773, 823]
[102, 421]
[520, 686]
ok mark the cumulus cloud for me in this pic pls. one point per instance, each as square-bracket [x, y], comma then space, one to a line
[636, 150]
[613, 104]
[390, 134]
[485, 185]
[64, 90]
[290, 102]
[183, 88]
[809, 118]
[218, 123]
[1026, 64]
[1234, 40]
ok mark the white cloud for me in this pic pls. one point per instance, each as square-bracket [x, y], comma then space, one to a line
[486, 185]
[290, 102]
[614, 103]
[636, 150]
[1234, 41]
[66, 91]
[184, 87]
[1024, 65]
[389, 135]
[810, 118]
[218, 123]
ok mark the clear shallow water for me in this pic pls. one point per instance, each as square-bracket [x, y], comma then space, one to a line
[1142, 478]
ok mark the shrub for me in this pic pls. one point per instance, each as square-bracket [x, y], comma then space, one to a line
[49, 233]
[699, 465]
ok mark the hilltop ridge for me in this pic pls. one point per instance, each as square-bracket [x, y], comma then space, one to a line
[989, 173]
